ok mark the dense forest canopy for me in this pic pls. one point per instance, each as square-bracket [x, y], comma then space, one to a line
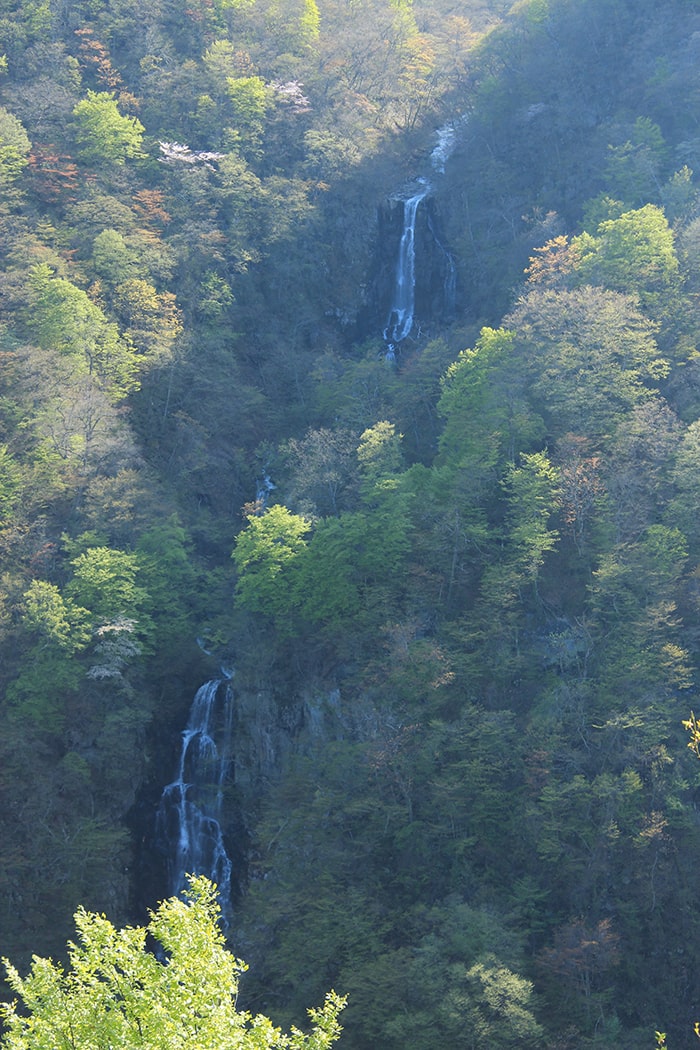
[458, 582]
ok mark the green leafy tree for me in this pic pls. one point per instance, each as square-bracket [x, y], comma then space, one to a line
[488, 422]
[294, 24]
[591, 356]
[63, 318]
[352, 572]
[634, 166]
[487, 417]
[532, 497]
[327, 588]
[14, 147]
[119, 993]
[113, 259]
[59, 621]
[634, 254]
[378, 454]
[265, 552]
[60, 629]
[500, 1015]
[250, 98]
[105, 582]
[104, 135]
[151, 320]
[635, 615]
[10, 482]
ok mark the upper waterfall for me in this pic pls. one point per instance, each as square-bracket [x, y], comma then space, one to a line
[400, 320]
[402, 310]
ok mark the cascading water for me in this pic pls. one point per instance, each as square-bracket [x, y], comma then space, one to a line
[401, 314]
[188, 821]
[400, 320]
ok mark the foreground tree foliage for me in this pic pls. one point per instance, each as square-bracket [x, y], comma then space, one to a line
[119, 992]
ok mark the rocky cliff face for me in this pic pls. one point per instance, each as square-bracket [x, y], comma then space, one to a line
[269, 732]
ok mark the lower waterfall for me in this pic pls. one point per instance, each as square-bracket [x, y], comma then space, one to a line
[188, 820]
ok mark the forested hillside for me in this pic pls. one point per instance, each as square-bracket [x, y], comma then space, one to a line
[458, 577]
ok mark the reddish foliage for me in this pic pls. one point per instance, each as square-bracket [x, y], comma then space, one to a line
[55, 176]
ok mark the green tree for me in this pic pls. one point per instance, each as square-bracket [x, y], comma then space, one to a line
[151, 321]
[294, 24]
[378, 454]
[250, 98]
[532, 496]
[119, 993]
[14, 147]
[63, 318]
[591, 356]
[500, 1015]
[113, 259]
[104, 135]
[104, 581]
[10, 482]
[635, 618]
[487, 418]
[634, 254]
[59, 621]
[488, 422]
[265, 552]
[634, 166]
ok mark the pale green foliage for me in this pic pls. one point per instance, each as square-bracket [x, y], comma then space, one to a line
[379, 452]
[501, 1016]
[532, 498]
[215, 296]
[112, 259]
[294, 24]
[14, 147]
[250, 99]
[310, 21]
[264, 551]
[118, 994]
[326, 590]
[634, 254]
[57, 619]
[10, 478]
[355, 562]
[104, 581]
[63, 318]
[105, 135]
[220, 62]
[591, 355]
[487, 416]
[237, 5]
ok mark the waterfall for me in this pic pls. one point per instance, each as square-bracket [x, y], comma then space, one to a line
[445, 142]
[400, 320]
[188, 821]
[401, 314]
[263, 488]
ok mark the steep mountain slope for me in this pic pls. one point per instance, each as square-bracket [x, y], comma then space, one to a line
[463, 619]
